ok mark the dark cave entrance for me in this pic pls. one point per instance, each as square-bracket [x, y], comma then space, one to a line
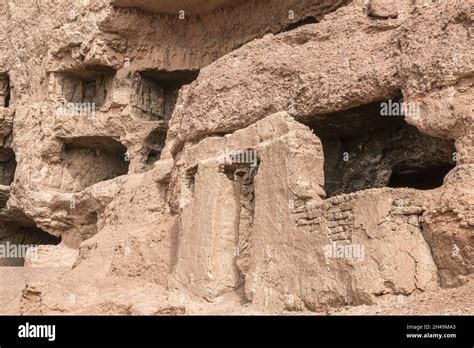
[16, 237]
[419, 178]
[90, 85]
[5, 90]
[363, 150]
[156, 92]
[91, 159]
[154, 144]
[304, 21]
[7, 166]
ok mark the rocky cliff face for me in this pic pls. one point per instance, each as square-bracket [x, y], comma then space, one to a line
[169, 157]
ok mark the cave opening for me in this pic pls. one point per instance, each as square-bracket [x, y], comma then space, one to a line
[16, 237]
[89, 86]
[156, 92]
[304, 21]
[5, 90]
[153, 145]
[418, 177]
[7, 166]
[91, 159]
[363, 150]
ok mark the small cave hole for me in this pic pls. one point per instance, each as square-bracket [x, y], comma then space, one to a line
[156, 92]
[153, 145]
[363, 150]
[5, 90]
[91, 159]
[190, 179]
[419, 178]
[7, 166]
[17, 237]
[88, 86]
[304, 21]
